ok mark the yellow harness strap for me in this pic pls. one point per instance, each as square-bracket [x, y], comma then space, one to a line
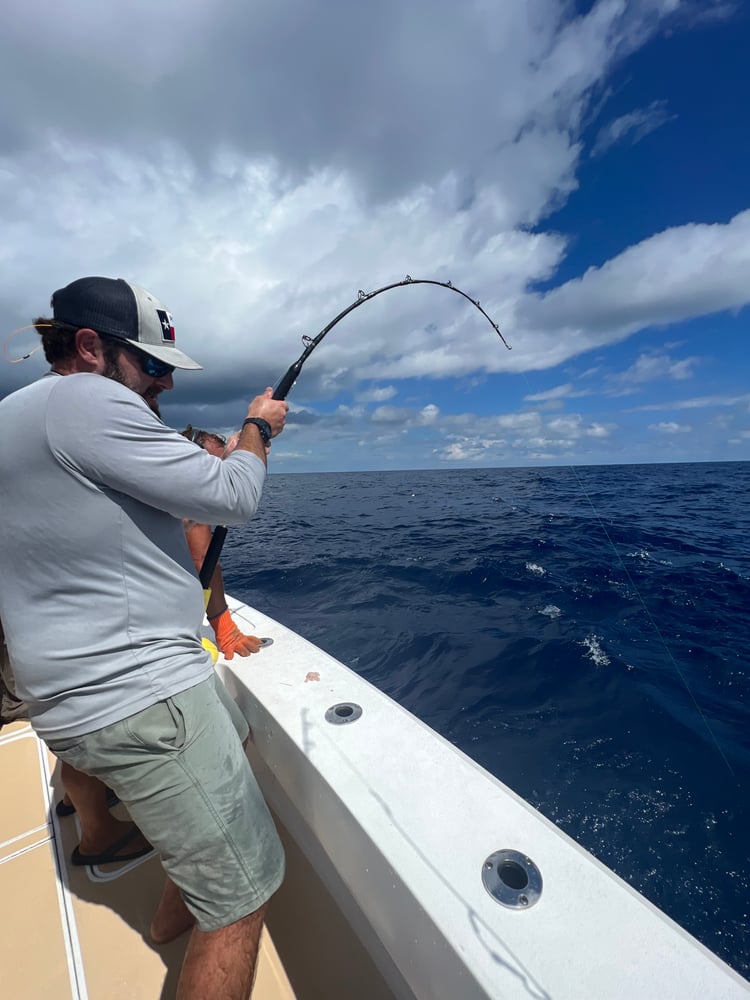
[207, 644]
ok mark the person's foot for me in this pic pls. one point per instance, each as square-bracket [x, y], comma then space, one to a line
[124, 842]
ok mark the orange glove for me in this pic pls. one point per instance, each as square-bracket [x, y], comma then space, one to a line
[229, 639]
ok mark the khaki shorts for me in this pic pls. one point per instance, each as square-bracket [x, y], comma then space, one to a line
[180, 768]
[11, 706]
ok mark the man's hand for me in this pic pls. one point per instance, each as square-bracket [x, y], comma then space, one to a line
[270, 409]
[232, 442]
[229, 639]
[274, 412]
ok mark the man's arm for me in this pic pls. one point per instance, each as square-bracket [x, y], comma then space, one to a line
[105, 432]
[273, 411]
[229, 639]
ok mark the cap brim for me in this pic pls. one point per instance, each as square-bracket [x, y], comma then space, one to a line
[170, 355]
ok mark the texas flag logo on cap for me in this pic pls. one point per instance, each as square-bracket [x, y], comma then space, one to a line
[167, 326]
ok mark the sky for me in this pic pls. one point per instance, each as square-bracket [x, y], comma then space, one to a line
[580, 169]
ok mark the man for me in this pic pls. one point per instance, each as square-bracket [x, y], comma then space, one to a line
[229, 639]
[12, 709]
[103, 837]
[102, 609]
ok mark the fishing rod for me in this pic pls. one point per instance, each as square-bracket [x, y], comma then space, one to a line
[292, 373]
[290, 377]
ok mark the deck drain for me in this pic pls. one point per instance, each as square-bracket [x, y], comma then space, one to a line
[345, 711]
[512, 879]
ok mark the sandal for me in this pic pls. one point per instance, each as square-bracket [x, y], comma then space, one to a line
[110, 855]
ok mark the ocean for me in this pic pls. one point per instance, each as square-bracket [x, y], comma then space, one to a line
[582, 633]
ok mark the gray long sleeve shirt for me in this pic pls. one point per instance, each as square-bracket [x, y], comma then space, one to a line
[98, 594]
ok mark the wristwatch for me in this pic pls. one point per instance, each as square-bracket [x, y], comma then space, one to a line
[263, 426]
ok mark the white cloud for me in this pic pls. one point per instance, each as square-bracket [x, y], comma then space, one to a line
[391, 415]
[377, 395]
[652, 366]
[459, 451]
[429, 414]
[680, 273]
[631, 127]
[695, 403]
[670, 427]
[558, 392]
[566, 426]
[256, 199]
[256, 165]
[649, 367]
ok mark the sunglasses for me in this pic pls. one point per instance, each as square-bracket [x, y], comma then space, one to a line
[148, 365]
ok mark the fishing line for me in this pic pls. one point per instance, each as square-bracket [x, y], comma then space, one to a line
[284, 386]
[290, 378]
[680, 673]
[22, 357]
[655, 627]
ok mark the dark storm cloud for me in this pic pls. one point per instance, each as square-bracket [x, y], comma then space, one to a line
[391, 91]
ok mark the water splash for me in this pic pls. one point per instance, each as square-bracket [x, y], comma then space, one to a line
[594, 650]
[534, 568]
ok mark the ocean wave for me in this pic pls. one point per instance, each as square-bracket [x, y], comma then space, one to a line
[733, 572]
[645, 556]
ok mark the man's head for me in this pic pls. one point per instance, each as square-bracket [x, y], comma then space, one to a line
[113, 328]
[215, 444]
[114, 308]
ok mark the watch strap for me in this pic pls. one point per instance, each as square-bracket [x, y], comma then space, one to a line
[263, 426]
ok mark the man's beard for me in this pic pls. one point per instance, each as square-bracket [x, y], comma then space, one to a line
[114, 371]
[153, 404]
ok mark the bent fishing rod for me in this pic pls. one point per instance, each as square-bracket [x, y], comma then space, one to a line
[292, 373]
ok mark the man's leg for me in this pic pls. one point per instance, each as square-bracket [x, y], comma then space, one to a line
[222, 963]
[172, 917]
[99, 828]
[180, 768]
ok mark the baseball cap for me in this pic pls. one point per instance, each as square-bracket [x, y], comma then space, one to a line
[117, 308]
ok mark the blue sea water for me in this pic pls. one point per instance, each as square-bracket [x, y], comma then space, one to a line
[580, 632]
